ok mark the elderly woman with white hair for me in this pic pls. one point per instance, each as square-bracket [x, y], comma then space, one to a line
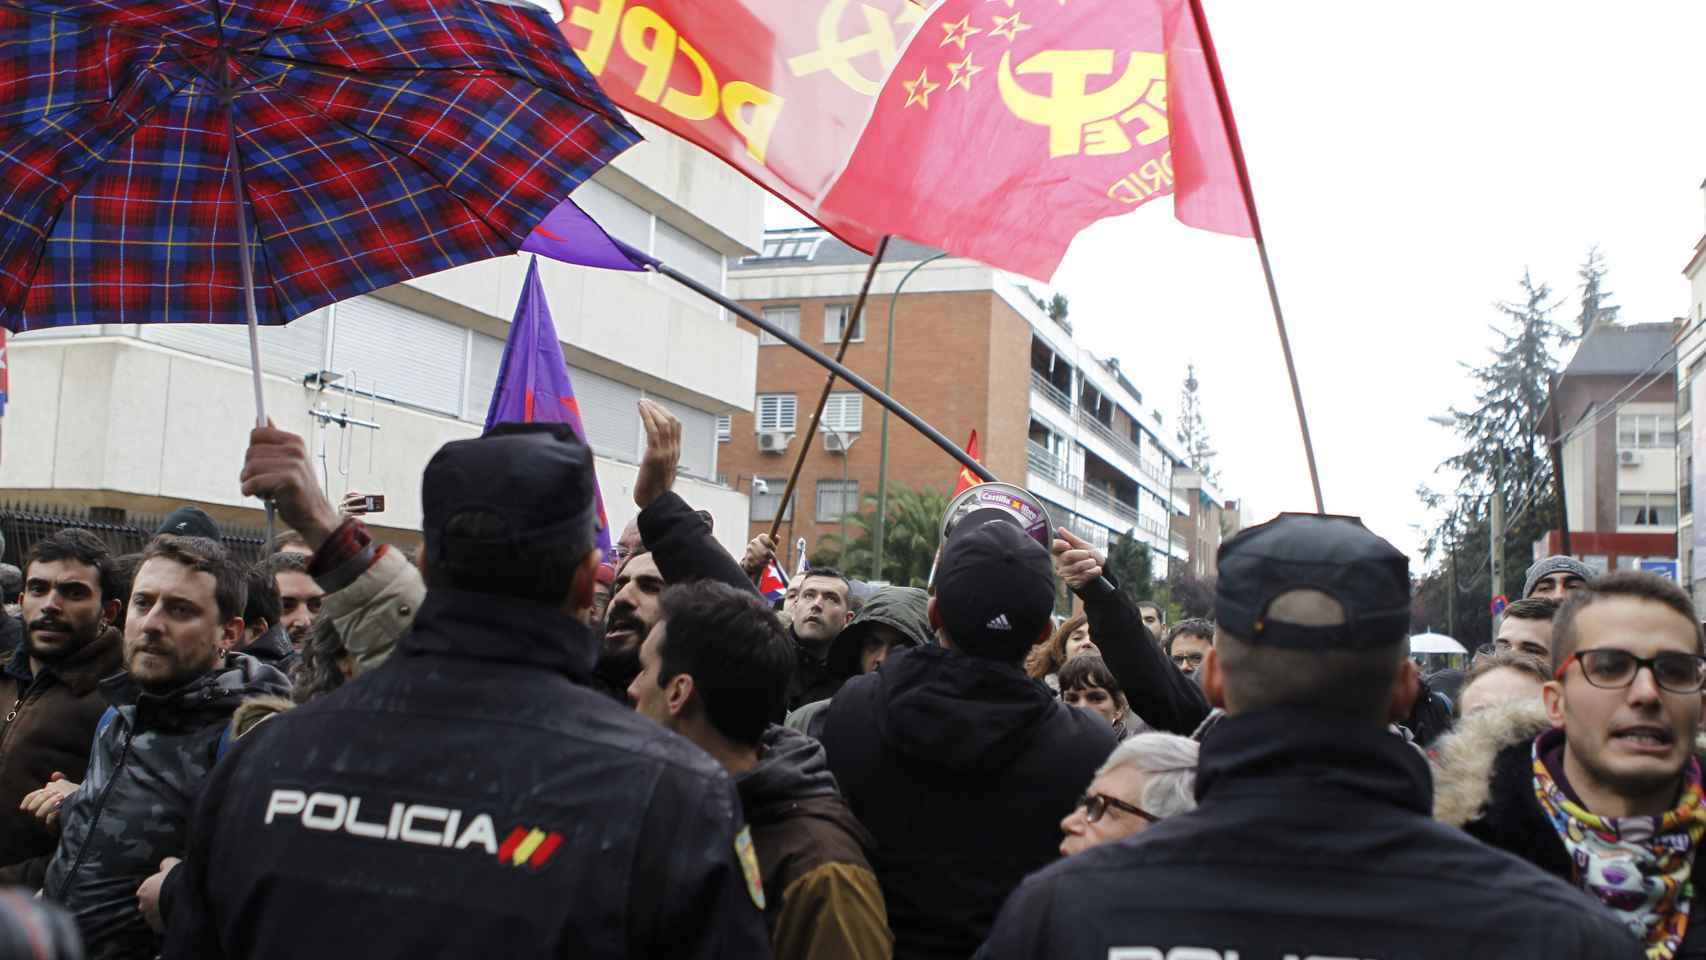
[1148, 778]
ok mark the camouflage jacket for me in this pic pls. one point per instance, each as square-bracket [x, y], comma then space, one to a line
[151, 754]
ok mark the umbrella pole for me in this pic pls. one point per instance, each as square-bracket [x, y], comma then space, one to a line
[247, 266]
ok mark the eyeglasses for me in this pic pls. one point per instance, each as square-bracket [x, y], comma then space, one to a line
[1614, 669]
[1194, 659]
[1096, 804]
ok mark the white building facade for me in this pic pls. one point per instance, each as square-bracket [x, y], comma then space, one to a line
[143, 418]
[1691, 424]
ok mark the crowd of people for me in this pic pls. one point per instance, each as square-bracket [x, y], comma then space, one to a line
[509, 744]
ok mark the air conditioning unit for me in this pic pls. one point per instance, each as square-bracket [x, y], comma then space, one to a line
[1628, 458]
[837, 442]
[772, 442]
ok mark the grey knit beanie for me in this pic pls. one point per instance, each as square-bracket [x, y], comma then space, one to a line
[1555, 564]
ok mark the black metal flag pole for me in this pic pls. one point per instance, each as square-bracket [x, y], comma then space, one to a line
[828, 363]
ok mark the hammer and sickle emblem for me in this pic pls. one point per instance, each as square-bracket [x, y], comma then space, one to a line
[1079, 121]
[836, 54]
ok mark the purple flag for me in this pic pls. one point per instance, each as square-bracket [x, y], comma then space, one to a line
[570, 235]
[533, 381]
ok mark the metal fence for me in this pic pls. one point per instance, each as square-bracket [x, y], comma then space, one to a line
[124, 533]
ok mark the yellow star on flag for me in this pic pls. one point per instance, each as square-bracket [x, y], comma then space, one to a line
[918, 91]
[962, 73]
[1009, 3]
[1008, 27]
[959, 33]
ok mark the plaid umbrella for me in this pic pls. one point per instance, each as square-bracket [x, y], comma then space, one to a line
[371, 140]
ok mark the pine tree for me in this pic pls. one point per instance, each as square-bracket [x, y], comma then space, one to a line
[1132, 566]
[1503, 439]
[1596, 306]
[1193, 433]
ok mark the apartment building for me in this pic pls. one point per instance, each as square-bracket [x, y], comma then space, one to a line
[971, 350]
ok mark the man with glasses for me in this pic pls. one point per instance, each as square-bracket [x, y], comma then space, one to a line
[1188, 643]
[1601, 786]
[1147, 779]
[1311, 836]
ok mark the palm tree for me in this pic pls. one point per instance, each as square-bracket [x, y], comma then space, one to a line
[909, 538]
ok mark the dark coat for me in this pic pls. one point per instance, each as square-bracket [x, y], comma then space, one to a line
[821, 898]
[274, 649]
[1486, 786]
[152, 753]
[961, 768]
[48, 725]
[1311, 838]
[1157, 691]
[472, 797]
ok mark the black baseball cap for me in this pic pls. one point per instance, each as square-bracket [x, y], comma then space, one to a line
[190, 522]
[994, 589]
[530, 486]
[1335, 555]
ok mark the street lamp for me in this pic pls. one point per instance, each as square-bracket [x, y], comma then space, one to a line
[883, 457]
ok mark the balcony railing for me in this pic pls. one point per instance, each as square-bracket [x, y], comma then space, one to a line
[1108, 501]
[1042, 385]
[1043, 462]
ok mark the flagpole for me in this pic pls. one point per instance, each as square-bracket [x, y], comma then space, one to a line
[823, 399]
[1237, 147]
[853, 380]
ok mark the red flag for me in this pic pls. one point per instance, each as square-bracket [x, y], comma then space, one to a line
[995, 129]
[967, 478]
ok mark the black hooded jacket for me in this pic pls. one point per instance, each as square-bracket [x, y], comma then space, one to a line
[274, 649]
[472, 797]
[1311, 838]
[151, 755]
[961, 768]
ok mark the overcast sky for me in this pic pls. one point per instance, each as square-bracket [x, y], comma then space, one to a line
[1408, 161]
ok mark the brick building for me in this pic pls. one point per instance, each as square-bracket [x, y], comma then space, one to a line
[972, 351]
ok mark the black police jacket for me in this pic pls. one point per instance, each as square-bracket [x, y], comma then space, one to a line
[1312, 839]
[469, 798]
[961, 768]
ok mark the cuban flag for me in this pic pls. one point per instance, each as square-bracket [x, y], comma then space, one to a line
[773, 583]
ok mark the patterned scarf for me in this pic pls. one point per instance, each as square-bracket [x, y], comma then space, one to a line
[1637, 866]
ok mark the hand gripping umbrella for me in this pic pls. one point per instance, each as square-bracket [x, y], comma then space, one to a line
[232, 161]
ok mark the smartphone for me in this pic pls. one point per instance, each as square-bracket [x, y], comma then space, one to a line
[374, 502]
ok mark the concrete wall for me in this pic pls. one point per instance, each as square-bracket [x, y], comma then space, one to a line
[116, 422]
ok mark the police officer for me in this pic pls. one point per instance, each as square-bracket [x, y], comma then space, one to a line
[472, 796]
[1313, 836]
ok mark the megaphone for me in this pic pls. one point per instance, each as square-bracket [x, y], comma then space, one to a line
[999, 502]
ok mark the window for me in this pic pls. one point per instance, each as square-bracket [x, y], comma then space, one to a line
[789, 246]
[835, 320]
[788, 318]
[1646, 431]
[766, 495]
[403, 355]
[1646, 509]
[845, 412]
[725, 428]
[837, 499]
[776, 413]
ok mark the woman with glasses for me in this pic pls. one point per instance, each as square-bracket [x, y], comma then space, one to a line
[1600, 783]
[1147, 779]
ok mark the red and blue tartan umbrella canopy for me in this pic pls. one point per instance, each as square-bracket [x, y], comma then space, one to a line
[379, 140]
